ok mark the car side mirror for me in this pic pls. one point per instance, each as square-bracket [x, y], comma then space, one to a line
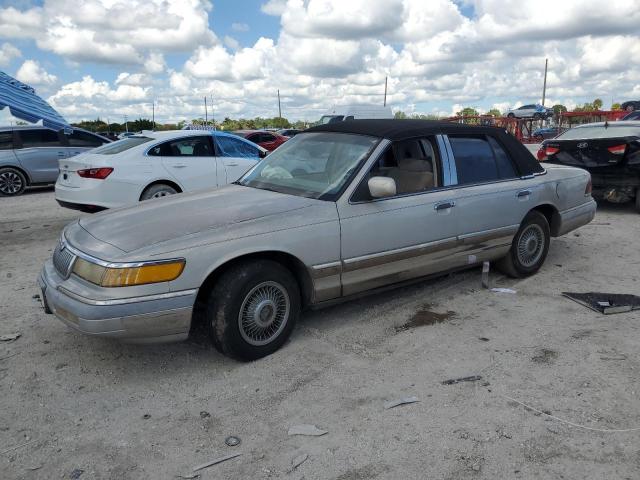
[381, 187]
[263, 153]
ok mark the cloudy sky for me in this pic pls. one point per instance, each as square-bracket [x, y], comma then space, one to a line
[110, 58]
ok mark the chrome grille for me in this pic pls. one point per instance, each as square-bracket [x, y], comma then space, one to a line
[62, 260]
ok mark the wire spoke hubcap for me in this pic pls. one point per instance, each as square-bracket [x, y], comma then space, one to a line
[264, 313]
[530, 245]
[10, 182]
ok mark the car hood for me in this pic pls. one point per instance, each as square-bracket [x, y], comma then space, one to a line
[187, 214]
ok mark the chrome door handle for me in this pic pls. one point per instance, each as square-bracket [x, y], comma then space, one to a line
[179, 165]
[445, 205]
[231, 164]
[524, 193]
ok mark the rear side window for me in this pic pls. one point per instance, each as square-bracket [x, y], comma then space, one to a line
[6, 140]
[184, 147]
[39, 138]
[121, 145]
[481, 159]
[233, 147]
[503, 162]
[84, 139]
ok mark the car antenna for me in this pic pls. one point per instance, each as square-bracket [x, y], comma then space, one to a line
[606, 124]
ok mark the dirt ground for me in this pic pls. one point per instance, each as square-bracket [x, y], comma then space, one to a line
[77, 407]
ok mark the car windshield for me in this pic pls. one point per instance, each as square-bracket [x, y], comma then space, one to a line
[600, 131]
[330, 119]
[315, 165]
[121, 145]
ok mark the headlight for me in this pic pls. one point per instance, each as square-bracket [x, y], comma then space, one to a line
[141, 274]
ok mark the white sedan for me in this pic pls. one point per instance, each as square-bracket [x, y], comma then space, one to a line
[151, 165]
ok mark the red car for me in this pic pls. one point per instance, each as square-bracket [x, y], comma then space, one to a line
[267, 140]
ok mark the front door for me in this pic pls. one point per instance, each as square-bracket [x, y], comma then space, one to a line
[408, 235]
[38, 152]
[190, 161]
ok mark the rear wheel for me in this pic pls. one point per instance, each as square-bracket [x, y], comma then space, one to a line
[158, 190]
[537, 116]
[638, 200]
[252, 309]
[12, 182]
[529, 247]
[510, 115]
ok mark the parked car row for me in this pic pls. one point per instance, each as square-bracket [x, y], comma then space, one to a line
[29, 155]
[339, 210]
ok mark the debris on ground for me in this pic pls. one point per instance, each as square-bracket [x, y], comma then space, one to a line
[204, 414]
[10, 337]
[473, 378]
[484, 339]
[400, 401]
[307, 430]
[503, 290]
[299, 460]
[485, 274]
[606, 303]
[232, 441]
[76, 473]
[146, 416]
[545, 356]
[425, 317]
[215, 462]
[189, 475]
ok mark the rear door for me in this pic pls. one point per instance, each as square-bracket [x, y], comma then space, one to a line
[190, 161]
[38, 152]
[491, 198]
[234, 157]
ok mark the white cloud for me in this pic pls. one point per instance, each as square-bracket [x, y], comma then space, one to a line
[32, 73]
[239, 27]
[155, 63]
[231, 42]
[7, 53]
[274, 7]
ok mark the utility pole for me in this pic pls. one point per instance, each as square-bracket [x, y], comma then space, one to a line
[126, 124]
[279, 109]
[206, 119]
[213, 120]
[385, 92]
[544, 87]
[153, 114]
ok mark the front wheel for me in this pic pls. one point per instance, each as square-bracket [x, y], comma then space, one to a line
[252, 309]
[12, 182]
[529, 247]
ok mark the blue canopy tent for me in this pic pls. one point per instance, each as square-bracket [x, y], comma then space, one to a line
[23, 103]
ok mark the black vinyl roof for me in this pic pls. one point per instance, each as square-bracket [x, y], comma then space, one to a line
[395, 130]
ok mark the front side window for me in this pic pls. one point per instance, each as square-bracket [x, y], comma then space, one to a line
[474, 160]
[6, 140]
[184, 147]
[121, 145]
[39, 138]
[234, 147]
[84, 139]
[412, 164]
[315, 165]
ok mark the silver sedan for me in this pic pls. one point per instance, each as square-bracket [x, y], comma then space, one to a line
[338, 211]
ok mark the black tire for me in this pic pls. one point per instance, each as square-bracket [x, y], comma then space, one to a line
[253, 282]
[534, 234]
[638, 200]
[511, 115]
[158, 190]
[537, 116]
[12, 182]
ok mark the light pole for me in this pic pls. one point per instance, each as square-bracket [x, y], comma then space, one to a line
[126, 124]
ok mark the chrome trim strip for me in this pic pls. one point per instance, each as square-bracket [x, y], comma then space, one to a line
[326, 269]
[124, 301]
[452, 161]
[444, 161]
[380, 258]
[485, 235]
[97, 261]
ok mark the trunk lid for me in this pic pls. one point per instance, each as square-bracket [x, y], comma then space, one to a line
[589, 153]
[69, 166]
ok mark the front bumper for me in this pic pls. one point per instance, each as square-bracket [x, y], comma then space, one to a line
[149, 319]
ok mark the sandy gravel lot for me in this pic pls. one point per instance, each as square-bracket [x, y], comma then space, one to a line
[77, 407]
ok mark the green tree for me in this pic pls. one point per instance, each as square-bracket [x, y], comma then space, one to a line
[400, 115]
[558, 108]
[467, 112]
[494, 112]
[616, 106]
[597, 104]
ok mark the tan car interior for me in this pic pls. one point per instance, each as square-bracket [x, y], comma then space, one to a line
[410, 163]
